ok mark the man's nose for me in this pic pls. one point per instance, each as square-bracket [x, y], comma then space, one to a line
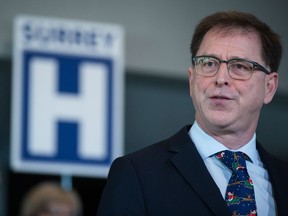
[222, 76]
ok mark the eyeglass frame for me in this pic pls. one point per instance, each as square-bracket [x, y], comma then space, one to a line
[256, 65]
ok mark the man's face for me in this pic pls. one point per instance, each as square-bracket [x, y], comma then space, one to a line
[224, 105]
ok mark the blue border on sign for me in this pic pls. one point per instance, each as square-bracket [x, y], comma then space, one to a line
[25, 155]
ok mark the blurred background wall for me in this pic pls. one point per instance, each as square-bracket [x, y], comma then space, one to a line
[157, 101]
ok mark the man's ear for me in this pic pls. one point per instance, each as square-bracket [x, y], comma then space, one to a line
[271, 84]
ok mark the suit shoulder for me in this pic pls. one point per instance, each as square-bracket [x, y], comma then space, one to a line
[160, 151]
[149, 152]
[163, 146]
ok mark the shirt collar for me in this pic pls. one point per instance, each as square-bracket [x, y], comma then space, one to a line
[207, 145]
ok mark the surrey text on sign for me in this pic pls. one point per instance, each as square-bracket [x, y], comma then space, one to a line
[67, 115]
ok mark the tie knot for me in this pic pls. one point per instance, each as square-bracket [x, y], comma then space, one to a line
[233, 160]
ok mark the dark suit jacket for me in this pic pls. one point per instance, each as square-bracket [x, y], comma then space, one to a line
[170, 179]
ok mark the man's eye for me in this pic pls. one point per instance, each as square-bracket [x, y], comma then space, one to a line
[239, 66]
[242, 66]
[209, 63]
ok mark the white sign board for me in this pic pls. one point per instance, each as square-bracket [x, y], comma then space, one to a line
[68, 79]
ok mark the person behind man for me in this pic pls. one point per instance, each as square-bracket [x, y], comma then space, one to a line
[216, 166]
[50, 199]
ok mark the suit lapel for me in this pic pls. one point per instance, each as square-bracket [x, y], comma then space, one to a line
[191, 166]
[278, 179]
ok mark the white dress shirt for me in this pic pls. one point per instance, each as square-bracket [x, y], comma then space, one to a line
[207, 146]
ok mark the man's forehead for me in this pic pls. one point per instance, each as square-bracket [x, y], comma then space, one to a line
[232, 30]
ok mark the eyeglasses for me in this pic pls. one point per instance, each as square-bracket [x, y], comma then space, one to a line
[239, 69]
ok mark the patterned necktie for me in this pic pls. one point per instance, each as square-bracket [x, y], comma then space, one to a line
[239, 195]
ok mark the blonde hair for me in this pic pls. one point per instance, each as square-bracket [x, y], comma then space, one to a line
[47, 193]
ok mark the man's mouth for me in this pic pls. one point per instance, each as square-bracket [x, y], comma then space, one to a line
[220, 97]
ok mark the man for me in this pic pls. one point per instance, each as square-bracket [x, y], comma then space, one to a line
[235, 58]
